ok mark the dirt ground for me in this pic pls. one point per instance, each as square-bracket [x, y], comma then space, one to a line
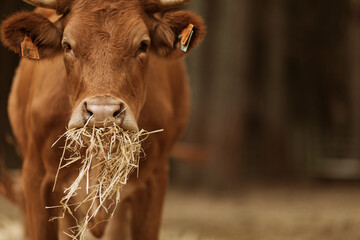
[298, 212]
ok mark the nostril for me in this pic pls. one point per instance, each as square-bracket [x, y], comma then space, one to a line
[87, 110]
[119, 112]
[116, 114]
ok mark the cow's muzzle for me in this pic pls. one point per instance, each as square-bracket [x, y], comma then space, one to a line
[102, 111]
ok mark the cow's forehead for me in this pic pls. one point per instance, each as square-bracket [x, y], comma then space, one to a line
[117, 22]
[108, 13]
[89, 4]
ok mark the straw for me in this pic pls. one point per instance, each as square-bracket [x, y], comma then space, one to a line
[107, 155]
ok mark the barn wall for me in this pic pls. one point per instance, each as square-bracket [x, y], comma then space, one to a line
[275, 91]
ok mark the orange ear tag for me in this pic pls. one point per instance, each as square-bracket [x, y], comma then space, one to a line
[185, 36]
[29, 49]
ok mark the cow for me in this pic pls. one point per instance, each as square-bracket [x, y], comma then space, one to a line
[108, 59]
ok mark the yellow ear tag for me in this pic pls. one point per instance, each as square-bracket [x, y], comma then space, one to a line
[185, 36]
[29, 49]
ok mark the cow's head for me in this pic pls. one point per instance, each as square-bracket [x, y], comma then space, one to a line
[106, 46]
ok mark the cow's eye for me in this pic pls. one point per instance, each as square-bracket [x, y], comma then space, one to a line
[143, 47]
[67, 47]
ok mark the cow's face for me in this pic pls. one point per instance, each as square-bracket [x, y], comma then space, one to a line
[106, 46]
[106, 51]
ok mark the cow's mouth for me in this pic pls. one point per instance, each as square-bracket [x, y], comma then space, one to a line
[105, 156]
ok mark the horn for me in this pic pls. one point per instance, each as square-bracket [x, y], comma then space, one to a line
[173, 3]
[153, 6]
[42, 3]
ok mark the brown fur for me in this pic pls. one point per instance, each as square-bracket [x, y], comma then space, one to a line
[63, 6]
[169, 28]
[105, 60]
[42, 32]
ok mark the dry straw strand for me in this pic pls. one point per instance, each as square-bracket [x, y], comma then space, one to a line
[106, 155]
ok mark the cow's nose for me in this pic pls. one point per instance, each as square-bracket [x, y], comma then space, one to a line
[103, 111]
[98, 113]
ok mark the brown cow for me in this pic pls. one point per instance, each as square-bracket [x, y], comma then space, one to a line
[99, 58]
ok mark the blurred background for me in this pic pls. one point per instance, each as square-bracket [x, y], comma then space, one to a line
[276, 91]
[273, 143]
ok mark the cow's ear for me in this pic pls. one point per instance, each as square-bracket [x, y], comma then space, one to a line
[43, 33]
[165, 35]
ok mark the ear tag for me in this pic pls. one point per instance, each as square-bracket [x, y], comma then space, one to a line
[186, 36]
[29, 49]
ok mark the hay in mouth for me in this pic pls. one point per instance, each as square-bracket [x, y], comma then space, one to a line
[107, 156]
